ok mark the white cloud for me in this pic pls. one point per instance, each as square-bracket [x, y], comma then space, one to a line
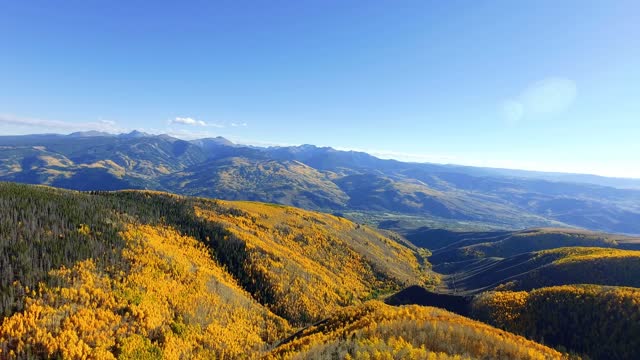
[193, 122]
[244, 124]
[44, 125]
[546, 97]
[188, 121]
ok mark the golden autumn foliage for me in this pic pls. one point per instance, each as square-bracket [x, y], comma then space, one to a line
[575, 254]
[149, 275]
[601, 322]
[313, 263]
[555, 267]
[174, 301]
[586, 265]
[378, 331]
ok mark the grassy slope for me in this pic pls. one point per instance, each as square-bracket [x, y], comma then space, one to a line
[238, 178]
[97, 163]
[370, 192]
[571, 265]
[450, 246]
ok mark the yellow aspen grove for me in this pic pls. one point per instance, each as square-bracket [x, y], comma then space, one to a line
[174, 301]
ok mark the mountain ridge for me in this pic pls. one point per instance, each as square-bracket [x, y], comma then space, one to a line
[324, 179]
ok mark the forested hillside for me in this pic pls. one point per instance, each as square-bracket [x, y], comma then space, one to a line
[167, 298]
[603, 322]
[375, 330]
[577, 292]
[595, 321]
[304, 263]
[142, 274]
[138, 274]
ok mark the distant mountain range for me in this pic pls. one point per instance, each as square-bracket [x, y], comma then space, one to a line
[322, 178]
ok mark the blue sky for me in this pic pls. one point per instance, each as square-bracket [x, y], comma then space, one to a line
[546, 85]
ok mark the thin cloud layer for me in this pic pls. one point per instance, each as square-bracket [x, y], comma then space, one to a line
[101, 125]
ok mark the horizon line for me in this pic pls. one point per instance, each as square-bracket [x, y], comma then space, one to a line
[379, 154]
